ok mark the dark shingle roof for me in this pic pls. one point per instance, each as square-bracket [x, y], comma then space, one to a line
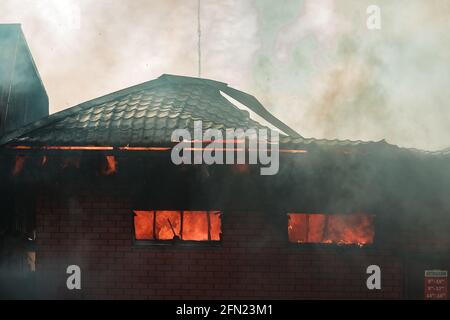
[143, 115]
[147, 114]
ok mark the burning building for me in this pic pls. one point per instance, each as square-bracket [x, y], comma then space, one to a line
[94, 186]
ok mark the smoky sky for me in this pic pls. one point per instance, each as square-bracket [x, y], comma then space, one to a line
[313, 63]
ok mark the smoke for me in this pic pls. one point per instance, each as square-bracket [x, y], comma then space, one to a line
[313, 63]
[342, 80]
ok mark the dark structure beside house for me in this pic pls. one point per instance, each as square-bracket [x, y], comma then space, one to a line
[94, 186]
[22, 100]
[22, 95]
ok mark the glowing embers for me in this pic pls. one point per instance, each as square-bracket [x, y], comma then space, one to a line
[104, 165]
[110, 166]
[18, 165]
[179, 225]
[351, 229]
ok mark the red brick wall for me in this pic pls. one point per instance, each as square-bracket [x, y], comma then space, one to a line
[254, 260]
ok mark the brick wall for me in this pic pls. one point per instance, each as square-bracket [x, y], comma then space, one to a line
[254, 260]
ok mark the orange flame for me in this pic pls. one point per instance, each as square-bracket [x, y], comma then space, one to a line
[216, 225]
[18, 165]
[145, 148]
[143, 225]
[111, 166]
[98, 148]
[293, 151]
[339, 229]
[186, 225]
[128, 148]
[168, 225]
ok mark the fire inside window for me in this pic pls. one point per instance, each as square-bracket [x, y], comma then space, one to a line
[350, 229]
[177, 225]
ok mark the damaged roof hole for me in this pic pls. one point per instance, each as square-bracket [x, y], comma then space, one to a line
[252, 115]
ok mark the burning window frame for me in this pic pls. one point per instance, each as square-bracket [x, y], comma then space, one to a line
[178, 227]
[331, 243]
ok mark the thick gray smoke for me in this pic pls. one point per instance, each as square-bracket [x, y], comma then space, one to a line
[313, 63]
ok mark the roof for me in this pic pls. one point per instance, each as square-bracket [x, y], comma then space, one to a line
[22, 94]
[147, 114]
[144, 115]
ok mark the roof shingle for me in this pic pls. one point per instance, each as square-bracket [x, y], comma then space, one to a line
[142, 116]
[146, 115]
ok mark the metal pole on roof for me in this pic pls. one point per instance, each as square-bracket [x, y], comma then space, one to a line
[199, 32]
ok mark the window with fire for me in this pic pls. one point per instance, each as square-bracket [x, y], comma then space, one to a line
[349, 229]
[163, 225]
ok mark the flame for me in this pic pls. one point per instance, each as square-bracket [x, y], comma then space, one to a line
[186, 225]
[128, 148]
[214, 149]
[216, 225]
[111, 166]
[293, 151]
[18, 165]
[143, 225]
[145, 148]
[75, 148]
[238, 141]
[339, 229]
[168, 225]
[195, 225]
[99, 148]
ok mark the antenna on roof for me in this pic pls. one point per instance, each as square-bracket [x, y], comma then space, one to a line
[199, 32]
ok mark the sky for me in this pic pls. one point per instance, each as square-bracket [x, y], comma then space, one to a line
[313, 63]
